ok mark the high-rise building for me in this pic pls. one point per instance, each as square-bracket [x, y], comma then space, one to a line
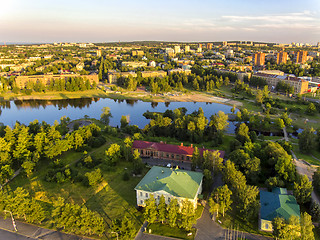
[259, 59]
[199, 48]
[177, 49]
[209, 46]
[301, 56]
[282, 57]
[225, 43]
[187, 48]
[318, 45]
[98, 53]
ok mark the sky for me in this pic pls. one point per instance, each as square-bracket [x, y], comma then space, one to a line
[280, 21]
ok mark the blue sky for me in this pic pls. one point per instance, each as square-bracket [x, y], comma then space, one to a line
[281, 21]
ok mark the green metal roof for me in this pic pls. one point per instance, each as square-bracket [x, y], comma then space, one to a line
[278, 204]
[179, 183]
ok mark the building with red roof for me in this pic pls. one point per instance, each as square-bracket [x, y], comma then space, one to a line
[167, 151]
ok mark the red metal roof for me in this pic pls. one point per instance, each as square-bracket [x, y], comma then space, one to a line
[170, 148]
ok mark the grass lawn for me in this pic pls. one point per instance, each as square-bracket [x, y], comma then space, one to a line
[305, 157]
[232, 221]
[166, 230]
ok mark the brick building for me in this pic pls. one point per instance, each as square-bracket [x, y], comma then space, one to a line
[167, 151]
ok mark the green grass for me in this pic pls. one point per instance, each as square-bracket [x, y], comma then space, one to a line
[199, 211]
[305, 157]
[166, 230]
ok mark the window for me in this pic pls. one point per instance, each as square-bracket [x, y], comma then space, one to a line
[178, 157]
[182, 157]
[141, 201]
[140, 194]
[158, 197]
[172, 156]
[169, 199]
[267, 226]
[167, 155]
[146, 194]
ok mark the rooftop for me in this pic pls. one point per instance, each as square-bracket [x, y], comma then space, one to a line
[170, 148]
[278, 204]
[179, 183]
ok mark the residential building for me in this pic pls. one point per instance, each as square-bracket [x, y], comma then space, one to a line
[282, 57]
[137, 53]
[225, 43]
[187, 48]
[169, 51]
[80, 66]
[152, 64]
[22, 81]
[259, 59]
[98, 52]
[301, 57]
[179, 70]
[277, 203]
[209, 46]
[153, 74]
[177, 49]
[300, 85]
[167, 151]
[114, 76]
[134, 64]
[171, 183]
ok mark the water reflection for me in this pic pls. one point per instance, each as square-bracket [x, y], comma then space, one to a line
[51, 110]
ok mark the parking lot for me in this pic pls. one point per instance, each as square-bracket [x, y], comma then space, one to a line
[164, 163]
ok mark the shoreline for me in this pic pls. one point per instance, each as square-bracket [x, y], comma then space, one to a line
[142, 96]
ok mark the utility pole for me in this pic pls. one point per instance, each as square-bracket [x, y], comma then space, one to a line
[13, 222]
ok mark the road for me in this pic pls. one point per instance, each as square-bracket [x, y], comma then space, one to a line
[6, 235]
[28, 231]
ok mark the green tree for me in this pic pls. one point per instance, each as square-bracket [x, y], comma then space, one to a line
[124, 121]
[127, 146]
[195, 161]
[307, 140]
[311, 110]
[162, 209]
[106, 115]
[306, 227]
[243, 133]
[302, 189]
[173, 210]
[127, 229]
[219, 122]
[150, 210]
[188, 217]
[94, 177]
[113, 154]
[137, 162]
[223, 197]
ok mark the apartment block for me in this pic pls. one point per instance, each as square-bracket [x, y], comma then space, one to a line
[259, 59]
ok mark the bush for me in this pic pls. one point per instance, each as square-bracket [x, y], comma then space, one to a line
[125, 176]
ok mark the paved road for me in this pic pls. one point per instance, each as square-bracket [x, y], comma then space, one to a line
[162, 162]
[6, 235]
[28, 231]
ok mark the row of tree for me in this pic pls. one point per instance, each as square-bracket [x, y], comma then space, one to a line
[70, 217]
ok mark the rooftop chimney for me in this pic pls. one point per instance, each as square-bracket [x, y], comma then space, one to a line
[181, 145]
[191, 145]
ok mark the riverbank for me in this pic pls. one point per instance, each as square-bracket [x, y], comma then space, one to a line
[130, 95]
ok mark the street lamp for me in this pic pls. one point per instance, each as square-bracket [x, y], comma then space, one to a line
[116, 233]
[13, 222]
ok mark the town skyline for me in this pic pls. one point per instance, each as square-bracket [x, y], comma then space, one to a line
[178, 21]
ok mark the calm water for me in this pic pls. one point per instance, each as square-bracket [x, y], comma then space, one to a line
[49, 111]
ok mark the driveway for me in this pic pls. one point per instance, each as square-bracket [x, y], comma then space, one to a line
[162, 162]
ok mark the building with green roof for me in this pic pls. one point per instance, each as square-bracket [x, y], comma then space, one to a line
[171, 183]
[277, 203]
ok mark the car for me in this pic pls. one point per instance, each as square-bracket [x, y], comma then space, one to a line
[169, 165]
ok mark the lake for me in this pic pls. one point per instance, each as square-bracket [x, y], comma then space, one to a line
[49, 111]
